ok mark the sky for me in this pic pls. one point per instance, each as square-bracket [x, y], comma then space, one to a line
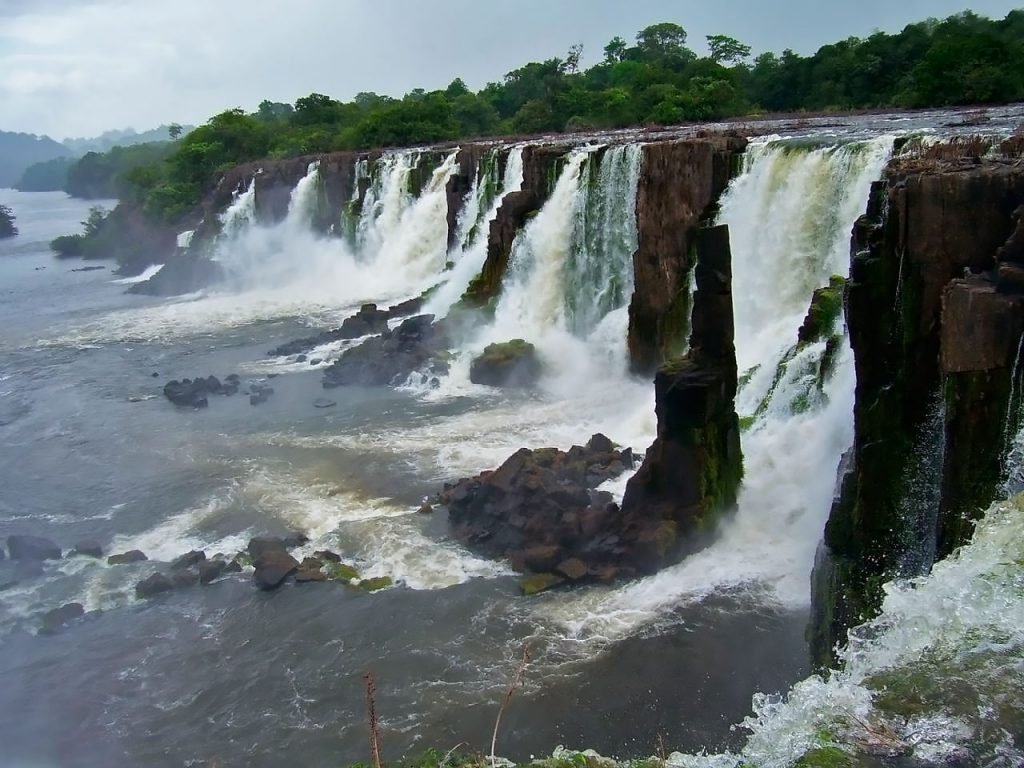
[72, 68]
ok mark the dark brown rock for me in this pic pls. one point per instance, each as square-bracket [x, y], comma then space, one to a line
[132, 556]
[54, 621]
[211, 570]
[154, 585]
[678, 190]
[272, 568]
[188, 560]
[417, 345]
[88, 549]
[32, 548]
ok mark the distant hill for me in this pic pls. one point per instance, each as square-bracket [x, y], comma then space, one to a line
[121, 138]
[20, 150]
[48, 176]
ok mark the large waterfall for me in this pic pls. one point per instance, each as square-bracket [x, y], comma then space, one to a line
[781, 253]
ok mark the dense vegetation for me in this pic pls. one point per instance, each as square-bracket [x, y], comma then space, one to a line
[92, 243]
[47, 176]
[658, 80]
[7, 228]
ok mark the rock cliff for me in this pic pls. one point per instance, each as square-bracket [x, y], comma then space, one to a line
[924, 338]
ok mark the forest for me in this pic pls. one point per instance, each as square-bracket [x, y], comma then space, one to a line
[657, 80]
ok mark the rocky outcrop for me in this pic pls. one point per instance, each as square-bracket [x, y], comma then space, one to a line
[126, 558]
[693, 470]
[182, 273]
[32, 548]
[540, 165]
[540, 510]
[417, 345]
[920, 334]
[193, 393]
[54, 621]
[369, 320]
[680, 184]
[511, 364]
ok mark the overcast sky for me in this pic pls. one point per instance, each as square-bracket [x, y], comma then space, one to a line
[79, 67]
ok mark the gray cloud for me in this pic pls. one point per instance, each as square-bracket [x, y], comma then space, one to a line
[78, 67]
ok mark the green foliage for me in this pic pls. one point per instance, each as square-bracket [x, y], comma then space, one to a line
[108, 174]
[656, 81]
[92, 243]
[7, 227]
[47, 176]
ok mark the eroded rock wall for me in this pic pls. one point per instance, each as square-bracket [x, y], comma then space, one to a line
[920, 334]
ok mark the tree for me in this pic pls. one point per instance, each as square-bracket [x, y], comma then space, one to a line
[727, 50]
[174, 131]
[661, 40]
[269, 111]
[615, 50]
[7, 228]
[571, 65]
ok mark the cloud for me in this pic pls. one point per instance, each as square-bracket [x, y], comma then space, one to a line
[79, 67]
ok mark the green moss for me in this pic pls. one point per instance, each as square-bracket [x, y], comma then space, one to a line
[375, 584]
[824, 312]
[746, 422]
[826, 757]
[341, 572]
[748, 374]
[538, 582]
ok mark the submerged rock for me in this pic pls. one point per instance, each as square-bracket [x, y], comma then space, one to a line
[368, 321]
[511, 364]
[211, 570]
[88, 549]
[417, 345]
[188, 560]
[323, 402]
[192, 393]
[271, 562]
[154, 585]
[32, 548]
[54, 621]
[132, 556]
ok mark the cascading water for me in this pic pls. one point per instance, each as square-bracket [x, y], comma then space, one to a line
[303, 203]
[600, 268]
[471, 251]
[385, 201]
[240, 214]
[782, 250]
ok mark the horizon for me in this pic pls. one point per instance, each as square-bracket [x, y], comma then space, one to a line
[188, 76]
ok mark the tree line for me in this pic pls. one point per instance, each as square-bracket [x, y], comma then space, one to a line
[656, 80]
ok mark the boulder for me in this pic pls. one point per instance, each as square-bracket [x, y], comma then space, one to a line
[193, 393]
[54, 621]
[32, 548]
[417, 345]
[88, 549]
[369, 320]
[325, 555]
[310, 570]
[185, 578]
[211, 570]
[511, 364]
[262, 545]
[295, 539]
[154, 585]
[132, 556]
[272, 568]
[540, 509]
[188, 560]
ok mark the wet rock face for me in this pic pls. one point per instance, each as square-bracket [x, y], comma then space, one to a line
[512, 364]
[540, 509]
[193, 393]
[679, 188]
[32, 548]
[182, 273]
[417, 345]
[921, 333]
[54, 621]
[693, 470]
[369, 320]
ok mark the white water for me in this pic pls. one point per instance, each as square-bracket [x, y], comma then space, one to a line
[140, 278]
[956, 635]
[471, 249]
[790, 460]
[239, 215]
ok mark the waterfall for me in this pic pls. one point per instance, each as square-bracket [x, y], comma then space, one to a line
[792, 453]
[936, 677]
[790, 215]
[471, 249]
[1013, 429]
[533, 295]
[479, 202]
[302, 206]
[385, 201]
[240, 214]
[600, 268]
[923, 490]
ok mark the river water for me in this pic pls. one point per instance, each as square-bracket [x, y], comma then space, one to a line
[89, 449]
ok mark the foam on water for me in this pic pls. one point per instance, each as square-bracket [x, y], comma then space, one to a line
[149, 272]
